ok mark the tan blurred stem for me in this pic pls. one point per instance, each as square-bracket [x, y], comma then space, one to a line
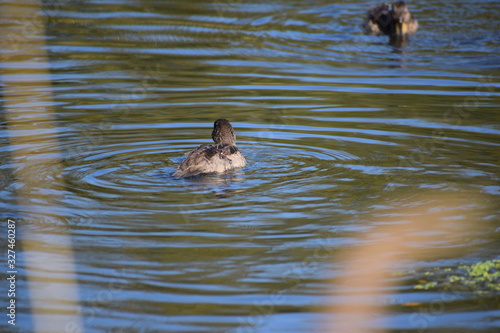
[369, 267]
[30, 122]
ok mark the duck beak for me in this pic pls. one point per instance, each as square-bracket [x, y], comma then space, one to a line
[401, 28]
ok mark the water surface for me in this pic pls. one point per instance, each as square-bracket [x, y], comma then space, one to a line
[339, 130]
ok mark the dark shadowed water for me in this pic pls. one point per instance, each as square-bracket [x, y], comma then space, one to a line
[339, 129]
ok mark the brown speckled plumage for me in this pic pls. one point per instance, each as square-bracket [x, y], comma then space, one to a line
[217, 158]
[394, 19]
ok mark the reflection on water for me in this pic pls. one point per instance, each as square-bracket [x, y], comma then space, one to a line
[335, 126]
[369, 266]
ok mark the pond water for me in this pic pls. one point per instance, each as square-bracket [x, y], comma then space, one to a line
[343, 134]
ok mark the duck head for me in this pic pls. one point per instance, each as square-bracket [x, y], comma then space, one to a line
[223, 132]
[402, 19]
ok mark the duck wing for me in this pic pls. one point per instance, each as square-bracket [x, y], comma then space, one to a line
[207, 159]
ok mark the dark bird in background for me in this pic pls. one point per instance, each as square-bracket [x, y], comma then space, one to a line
[390, 19]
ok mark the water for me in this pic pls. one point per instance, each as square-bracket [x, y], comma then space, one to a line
[342, 133]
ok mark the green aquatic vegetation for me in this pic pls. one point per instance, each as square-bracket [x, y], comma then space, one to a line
[482, 277]
[426, 286]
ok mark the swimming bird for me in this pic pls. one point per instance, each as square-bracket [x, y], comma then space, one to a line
[394, 20]
[220, 157]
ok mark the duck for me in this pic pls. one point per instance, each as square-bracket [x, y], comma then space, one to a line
[220, 157]
[394, 20]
